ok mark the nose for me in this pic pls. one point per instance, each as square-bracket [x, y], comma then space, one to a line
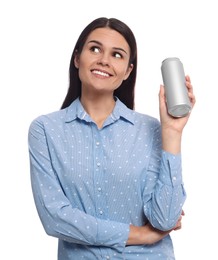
[104, 59]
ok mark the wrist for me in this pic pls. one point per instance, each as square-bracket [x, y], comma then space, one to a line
[171, 140]
[134, 236]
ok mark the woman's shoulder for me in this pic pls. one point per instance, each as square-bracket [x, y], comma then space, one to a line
[48, 120]
[143, 117]
[135, 115]
[54, 115]
[58, 115]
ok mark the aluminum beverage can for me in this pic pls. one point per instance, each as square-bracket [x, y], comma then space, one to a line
[177, 100]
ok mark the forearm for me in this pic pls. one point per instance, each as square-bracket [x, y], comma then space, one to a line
[148, 234]
[145, 235]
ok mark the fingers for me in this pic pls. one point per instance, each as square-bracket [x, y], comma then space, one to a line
[179, 222]
[187, 77]
[178, 225]
[189, 85]
[161, 92]
[190, 90]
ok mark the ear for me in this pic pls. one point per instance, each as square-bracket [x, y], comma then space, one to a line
[128, 71]
[76, 60]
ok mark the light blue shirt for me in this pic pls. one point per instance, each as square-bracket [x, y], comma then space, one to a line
[90, 184]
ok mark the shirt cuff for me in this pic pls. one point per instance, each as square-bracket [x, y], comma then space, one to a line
[112, 234]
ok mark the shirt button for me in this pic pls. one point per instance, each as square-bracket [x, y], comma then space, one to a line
[174, 178]
[107, 257]
[101, 212]
[97, 143]
[98, 164]
[99, 189]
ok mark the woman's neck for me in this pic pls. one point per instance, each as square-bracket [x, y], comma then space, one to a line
[98, 108]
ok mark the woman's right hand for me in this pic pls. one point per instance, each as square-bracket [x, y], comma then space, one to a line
[145, 235]
[148, 234]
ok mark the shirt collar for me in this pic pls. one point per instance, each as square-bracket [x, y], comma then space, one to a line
[76, 110]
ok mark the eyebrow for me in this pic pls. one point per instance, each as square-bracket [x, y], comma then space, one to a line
[115, 48]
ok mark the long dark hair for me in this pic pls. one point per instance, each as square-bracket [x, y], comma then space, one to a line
[125, 92]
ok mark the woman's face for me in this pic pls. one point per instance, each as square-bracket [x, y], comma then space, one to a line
[104, 61]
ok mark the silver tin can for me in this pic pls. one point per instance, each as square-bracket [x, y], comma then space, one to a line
[178, 102]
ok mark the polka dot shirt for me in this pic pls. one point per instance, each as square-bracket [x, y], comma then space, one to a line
[90, 184]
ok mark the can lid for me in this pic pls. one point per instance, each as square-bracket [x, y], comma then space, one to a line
[180, 110]
[170, 59]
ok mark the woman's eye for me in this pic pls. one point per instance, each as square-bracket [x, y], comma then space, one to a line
[117, 55]
[95, 49]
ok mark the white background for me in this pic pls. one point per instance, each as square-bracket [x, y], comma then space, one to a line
[37, 39]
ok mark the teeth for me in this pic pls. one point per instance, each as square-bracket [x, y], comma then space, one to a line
[100, 73]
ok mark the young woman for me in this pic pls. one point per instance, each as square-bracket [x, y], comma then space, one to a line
[107, 180]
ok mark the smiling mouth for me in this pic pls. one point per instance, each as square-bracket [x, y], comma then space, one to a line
[101, 73]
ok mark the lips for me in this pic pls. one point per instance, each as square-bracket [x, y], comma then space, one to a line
[101, 73]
